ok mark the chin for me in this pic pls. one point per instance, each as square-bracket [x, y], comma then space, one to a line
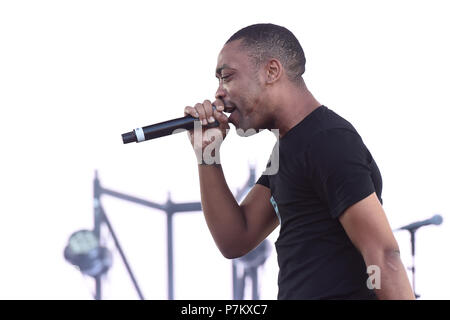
[245, 131]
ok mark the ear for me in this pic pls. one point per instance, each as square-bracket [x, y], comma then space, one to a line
[273, 70]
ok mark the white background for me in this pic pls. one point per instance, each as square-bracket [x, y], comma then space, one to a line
[74, 75]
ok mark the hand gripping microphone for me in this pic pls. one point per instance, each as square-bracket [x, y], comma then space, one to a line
[163, 129]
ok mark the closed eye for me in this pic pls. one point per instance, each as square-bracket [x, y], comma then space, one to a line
[225, 77]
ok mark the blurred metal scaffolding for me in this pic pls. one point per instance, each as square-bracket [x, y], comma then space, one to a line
[170, 209]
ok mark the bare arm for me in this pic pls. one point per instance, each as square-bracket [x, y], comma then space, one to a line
[236, 229]
[368, 228]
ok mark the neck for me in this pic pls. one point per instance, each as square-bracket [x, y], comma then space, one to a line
[292, 106]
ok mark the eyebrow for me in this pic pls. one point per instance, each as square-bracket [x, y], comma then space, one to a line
[219, 70]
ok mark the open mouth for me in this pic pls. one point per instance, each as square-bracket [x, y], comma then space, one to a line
[229, 109]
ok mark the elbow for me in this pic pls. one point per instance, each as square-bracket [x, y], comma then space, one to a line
[233, 252]
[392, 258]
[383, 256]
[229, 255]
[234, 245]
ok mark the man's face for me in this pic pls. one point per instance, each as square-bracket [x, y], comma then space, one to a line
[240, 87]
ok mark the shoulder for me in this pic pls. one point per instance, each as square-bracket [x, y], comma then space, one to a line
[322, 126]
[327, 119]
[336, 142]
[337, 151]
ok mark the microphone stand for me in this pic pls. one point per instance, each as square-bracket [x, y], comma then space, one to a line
[412, 233]
[412, 228]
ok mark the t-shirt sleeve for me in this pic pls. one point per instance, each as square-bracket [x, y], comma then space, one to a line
[264, 180]
[340, 168]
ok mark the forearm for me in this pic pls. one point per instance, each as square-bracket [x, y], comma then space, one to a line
[393, 280]
[223, 215]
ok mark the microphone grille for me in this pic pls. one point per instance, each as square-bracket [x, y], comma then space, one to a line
[437, 219]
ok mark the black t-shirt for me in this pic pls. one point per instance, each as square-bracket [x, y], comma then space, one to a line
[324, 167]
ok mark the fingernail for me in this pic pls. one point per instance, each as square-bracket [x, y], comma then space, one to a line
[204, 121]
[196, 114]
[211, 119]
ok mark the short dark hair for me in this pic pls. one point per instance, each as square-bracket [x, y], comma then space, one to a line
[265, 40]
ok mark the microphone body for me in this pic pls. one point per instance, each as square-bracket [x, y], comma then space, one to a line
[163, 129]
[436, 220]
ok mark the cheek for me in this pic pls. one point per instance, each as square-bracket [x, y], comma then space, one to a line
[253, 100]
[245, 95]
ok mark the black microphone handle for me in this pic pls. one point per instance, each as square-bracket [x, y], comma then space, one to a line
[162, 129]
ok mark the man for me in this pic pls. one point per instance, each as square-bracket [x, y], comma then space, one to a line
[326, 193]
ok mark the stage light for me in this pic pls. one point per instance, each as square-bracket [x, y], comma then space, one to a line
[84, 252]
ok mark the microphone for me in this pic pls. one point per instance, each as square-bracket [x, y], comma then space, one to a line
[436, 220]
[163, 129]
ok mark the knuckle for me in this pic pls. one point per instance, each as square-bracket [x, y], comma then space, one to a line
[200, 109]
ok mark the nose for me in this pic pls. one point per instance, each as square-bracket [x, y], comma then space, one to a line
[220, 93]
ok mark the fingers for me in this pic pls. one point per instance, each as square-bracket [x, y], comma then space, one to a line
[221, 117]
[208, 111]
[190, 111]
[219, 105]
[205, 112]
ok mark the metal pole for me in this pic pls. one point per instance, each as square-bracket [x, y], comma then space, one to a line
[170, 211]
[170, 254]
[97, 224]
[254, 277]
[235, 280]
[98, 287]
[413, 267]
[122, 254]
